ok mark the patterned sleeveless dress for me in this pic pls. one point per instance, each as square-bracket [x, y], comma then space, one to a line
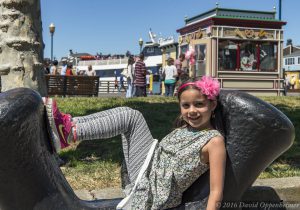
[175, 165]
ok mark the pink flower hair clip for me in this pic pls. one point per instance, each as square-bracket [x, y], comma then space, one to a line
[207, 85]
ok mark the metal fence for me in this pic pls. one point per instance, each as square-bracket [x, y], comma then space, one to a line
[110, 87]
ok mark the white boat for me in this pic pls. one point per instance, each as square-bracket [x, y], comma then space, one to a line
[108, 69]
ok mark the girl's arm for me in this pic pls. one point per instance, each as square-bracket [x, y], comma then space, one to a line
[217, 160]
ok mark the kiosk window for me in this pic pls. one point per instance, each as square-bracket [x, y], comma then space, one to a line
[200, 56]
[227, 58]
[247, 56]
[268, 56]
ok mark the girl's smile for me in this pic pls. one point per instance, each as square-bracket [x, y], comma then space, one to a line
[196, 109]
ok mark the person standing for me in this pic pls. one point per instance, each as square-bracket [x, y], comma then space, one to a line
[182, 71]
[90, 71]
[170, 73]
[53, 69]
[46, 67]
[178, 65]
[130, 77]
[69, 71]
[293, 82]
[121, 84]
[64, 67]
[182, 68]
[116, 83]
[140, 77]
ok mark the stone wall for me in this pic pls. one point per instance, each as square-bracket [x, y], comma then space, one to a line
[21, 45]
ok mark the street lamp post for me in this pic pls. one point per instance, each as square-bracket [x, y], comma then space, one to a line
[280, 6]
[141, 44]
[52, 30]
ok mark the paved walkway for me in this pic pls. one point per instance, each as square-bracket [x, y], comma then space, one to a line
[287, 189]
[293, 94]
[106, 193]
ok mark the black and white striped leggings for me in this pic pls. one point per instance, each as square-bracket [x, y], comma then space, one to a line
[130, 123]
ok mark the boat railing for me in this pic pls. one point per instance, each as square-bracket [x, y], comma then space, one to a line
[103, 62]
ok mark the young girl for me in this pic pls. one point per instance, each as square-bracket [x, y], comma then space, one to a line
[159, 172]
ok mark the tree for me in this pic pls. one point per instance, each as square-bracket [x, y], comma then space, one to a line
[21, 45]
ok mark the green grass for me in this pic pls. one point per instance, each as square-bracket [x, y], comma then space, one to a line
[96, 164]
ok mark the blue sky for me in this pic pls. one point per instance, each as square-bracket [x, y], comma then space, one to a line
[115, 26]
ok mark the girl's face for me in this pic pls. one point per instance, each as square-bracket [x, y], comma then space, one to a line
[196, 109]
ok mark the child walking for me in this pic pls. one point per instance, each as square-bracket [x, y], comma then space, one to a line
[159, 173]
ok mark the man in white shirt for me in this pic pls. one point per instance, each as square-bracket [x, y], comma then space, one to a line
[64, 67]
[90, 71]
